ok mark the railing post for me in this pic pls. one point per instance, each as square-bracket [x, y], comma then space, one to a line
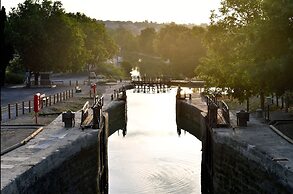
[9, 112]
[16, 109]
[23, 107]
[29, 106]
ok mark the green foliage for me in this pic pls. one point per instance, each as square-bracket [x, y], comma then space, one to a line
[146, 40]
[16, 66]
[182, 46]
[110, 70]
[125, 39]
[126, 67]
[250, 47]
[14, 78]
[48, 39]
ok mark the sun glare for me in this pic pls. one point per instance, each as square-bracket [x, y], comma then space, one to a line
[160, 11]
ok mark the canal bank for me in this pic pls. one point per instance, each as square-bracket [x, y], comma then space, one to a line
[61, 160]
[252, 159]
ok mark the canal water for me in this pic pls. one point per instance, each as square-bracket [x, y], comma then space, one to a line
[152, 157]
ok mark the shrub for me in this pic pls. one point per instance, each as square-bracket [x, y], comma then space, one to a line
[14, 78]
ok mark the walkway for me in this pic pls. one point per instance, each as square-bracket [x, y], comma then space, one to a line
[258, 135]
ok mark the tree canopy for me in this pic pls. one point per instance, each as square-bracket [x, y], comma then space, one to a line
[249, 47]
[182, 46]
[49, 39]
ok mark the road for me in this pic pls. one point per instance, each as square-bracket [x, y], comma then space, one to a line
[19, 93]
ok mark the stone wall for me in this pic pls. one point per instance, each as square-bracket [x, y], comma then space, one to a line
[239, 169]
[230, 165]
[70, 167]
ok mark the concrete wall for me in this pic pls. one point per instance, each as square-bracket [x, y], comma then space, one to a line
[230, 165]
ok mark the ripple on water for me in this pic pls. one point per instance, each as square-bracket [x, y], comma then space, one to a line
[152, 158]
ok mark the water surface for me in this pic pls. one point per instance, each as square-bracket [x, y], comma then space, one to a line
[152, 158]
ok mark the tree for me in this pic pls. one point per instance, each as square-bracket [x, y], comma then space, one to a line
[182, 46]
[250, 48]
[98, 44]
[127, 67]
[146, 40]
[48, 39]
[44, 36]
[125, 39]
[6, 50]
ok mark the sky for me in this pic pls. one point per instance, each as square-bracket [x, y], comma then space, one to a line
[160, 11]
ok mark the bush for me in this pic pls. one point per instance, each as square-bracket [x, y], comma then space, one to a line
[14, 78]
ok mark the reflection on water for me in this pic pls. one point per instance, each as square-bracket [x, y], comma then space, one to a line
[152, 158]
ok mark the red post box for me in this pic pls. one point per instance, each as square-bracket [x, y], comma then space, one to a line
[37, 102]
[93, 86]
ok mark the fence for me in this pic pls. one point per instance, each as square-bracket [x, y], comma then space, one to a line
[217, 109]
[119, 94]
[20, 108]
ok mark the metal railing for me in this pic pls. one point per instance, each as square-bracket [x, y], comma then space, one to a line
[213, 106]
[12, 111]
[225, 112]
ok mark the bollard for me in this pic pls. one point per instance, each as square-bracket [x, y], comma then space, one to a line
[242, 118]
[68, 118]
[69, 82]
[54, 99]
[50, 100]
[76, 83]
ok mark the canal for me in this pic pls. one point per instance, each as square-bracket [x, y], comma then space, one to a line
[152, 157]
